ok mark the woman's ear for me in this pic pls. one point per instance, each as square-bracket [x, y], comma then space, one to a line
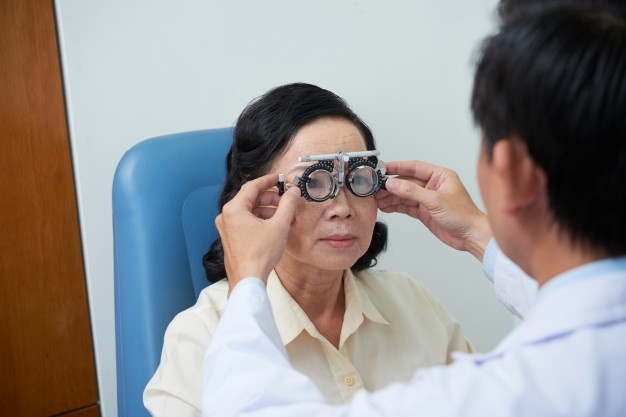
[522, 181]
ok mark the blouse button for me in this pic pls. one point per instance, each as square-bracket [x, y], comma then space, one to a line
[349, 381]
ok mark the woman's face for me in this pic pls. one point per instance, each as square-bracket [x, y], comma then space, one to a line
[333, 234]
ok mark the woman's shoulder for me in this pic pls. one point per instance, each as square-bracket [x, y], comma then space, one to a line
[400, 288]
[207, 310]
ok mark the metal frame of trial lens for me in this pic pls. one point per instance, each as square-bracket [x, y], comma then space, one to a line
[341, 157]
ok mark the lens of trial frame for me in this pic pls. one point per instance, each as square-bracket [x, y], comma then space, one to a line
[363, 180]
[320, 184]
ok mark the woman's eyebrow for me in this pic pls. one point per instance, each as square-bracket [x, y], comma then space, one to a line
[299, 167]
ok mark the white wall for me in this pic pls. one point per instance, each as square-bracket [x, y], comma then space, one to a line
[139, 68]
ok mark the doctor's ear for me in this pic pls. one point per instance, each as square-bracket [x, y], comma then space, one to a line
[523, 181]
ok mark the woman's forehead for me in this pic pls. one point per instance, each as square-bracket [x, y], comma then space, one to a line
[324, 136]
[311, 141]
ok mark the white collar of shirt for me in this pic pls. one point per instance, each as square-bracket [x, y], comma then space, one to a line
[291, 320]
[583, 273]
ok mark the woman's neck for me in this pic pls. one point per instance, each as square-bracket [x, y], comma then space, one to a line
[321, 296]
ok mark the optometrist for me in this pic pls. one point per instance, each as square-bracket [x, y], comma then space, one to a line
[551, 172]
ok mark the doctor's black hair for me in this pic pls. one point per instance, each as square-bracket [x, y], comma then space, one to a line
[557, 79]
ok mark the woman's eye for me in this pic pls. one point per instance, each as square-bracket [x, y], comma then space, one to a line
[363, 181]
[319, 184]
[314, 184]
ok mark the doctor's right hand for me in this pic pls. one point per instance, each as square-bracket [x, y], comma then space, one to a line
[437, 197]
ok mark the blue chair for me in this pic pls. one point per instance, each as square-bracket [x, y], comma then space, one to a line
[164, 204]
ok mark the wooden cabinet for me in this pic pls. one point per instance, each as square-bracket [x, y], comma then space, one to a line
[46, 351]
[92, 411]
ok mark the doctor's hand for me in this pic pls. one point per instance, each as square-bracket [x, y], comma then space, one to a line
[437, 197]
[253, 227]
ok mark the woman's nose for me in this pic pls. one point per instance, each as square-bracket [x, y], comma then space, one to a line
[341, 205]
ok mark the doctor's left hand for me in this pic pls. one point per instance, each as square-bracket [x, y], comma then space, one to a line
[253, 227]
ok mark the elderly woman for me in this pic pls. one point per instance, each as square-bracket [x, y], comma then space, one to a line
[344, 324]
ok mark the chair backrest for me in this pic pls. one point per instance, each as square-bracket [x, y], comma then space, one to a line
[164, 204]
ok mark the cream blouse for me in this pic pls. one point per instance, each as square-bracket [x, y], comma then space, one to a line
[392, 326]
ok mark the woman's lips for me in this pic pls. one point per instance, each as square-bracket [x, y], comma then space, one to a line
[340, 241]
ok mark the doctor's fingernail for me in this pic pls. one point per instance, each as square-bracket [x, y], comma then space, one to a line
[391, 184]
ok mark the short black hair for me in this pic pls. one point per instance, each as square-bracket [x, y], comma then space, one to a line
[557, 78]
[263, 131]
[509, 10]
